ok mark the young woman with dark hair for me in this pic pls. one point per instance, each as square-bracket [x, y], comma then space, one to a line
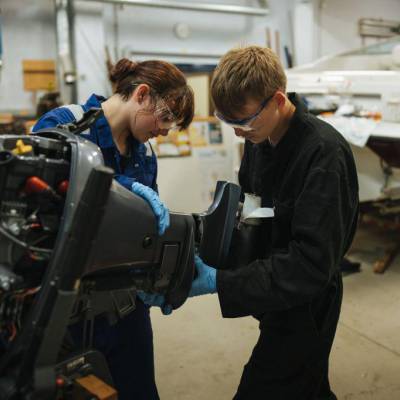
[150, 98]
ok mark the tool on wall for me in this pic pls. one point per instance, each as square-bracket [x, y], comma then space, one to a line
[268, 38]
[278, 43]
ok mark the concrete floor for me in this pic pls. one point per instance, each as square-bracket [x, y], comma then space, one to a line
[200, 355]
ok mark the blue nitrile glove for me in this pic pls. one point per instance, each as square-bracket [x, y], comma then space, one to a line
[159, 209]
[206, 280]
[155, 300]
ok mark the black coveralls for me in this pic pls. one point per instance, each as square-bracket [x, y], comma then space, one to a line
[294, 286]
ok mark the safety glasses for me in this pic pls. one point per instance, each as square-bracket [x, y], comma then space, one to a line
[166, 119]
[245, 123]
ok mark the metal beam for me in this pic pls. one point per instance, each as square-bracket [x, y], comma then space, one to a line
[180, 5]
[66, 65]
[128, 52]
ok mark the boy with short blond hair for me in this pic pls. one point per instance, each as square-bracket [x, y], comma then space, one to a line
[303, 169]
[254, 71]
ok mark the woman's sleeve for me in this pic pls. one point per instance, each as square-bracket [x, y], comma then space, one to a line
[53, 118]
[125, 181]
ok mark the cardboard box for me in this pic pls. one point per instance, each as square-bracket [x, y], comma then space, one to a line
[39, 75]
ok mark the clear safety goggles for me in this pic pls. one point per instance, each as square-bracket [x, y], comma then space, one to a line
[166, 119]
[244, 124]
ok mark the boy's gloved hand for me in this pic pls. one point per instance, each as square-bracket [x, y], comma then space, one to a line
[155, 300]
[159, 209]
[206, 280]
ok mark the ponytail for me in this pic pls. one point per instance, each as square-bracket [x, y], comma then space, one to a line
[122, 69]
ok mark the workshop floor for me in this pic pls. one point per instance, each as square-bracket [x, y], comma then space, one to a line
[199, 355]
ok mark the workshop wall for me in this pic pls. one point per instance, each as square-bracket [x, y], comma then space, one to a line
[174, 35]
[338, 22]
[325, 27]
[28, 33]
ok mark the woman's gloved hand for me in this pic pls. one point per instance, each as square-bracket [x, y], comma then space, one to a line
[206, 280]
[160, 211]
[155, 300]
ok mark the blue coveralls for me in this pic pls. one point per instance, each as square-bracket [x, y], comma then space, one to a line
[127, 345]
